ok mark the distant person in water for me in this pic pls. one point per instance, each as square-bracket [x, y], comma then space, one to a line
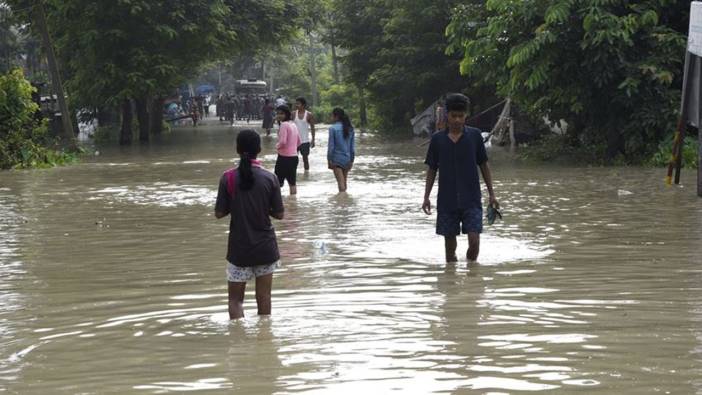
[456, 153]
[288, 141]
[304, 120]
[268, 113]
[341, 149]
[251, 195]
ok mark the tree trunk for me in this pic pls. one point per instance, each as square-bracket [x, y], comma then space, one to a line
[157, 115]
[142, 112]
[512, 138]
[615, 145]
[219, 78]
[362, 107]
[313, 71]
[67, 136]
[335, 59]
[125, 135]
[106, 116]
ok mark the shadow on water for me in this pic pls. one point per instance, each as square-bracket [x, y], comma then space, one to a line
[113, 280]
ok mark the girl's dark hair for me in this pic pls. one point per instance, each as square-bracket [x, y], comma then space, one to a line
[345, 121]
[248, 145]
[286, 110]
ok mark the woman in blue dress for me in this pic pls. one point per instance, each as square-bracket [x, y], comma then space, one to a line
[341, 150]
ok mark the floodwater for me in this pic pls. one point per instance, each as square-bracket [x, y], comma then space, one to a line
[112, 281]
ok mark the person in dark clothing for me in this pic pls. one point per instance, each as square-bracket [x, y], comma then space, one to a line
[251, 195]
[220, 108]
[456, 153]
[268, 113]
[229, 105]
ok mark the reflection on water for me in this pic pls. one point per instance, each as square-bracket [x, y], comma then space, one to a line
[112, 281]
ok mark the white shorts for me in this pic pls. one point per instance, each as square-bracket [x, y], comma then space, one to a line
[238, 274]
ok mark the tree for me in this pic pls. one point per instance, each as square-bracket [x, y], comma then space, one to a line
[134, 52]
[10, 41]
[611, 69]
[24, 138]
[395, 51]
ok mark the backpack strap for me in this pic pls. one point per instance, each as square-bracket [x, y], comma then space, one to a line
[231, 181]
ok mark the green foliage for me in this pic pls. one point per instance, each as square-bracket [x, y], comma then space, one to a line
[395, 50]
[611, 69]
[9, 40]
[665, 151]
[24, 140]
[111, 51]
[338, 95]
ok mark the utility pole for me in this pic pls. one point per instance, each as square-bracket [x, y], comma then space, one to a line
[67, 134]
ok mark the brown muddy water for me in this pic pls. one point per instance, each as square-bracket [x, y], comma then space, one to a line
[112, 281]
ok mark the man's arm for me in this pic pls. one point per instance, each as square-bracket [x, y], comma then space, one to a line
[277, 210]
[222, 205]
[487, 177]
[431, 177]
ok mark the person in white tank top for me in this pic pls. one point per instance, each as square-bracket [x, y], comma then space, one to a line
[304, 120]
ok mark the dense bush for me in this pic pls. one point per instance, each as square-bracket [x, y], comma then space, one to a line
[24, 138]
[612, 69]
[665, 151]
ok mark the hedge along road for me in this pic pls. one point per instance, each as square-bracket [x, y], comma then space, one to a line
[112, 280]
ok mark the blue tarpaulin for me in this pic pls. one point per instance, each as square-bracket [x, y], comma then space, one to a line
[204, 89]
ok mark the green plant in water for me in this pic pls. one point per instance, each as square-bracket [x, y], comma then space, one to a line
[24, 137]
[665, 151]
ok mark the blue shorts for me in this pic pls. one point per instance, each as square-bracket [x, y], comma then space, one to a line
[451, 223]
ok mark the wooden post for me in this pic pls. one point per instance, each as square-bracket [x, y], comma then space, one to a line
[500, 126]
[69, 138]
[679, 153]
[512, 138]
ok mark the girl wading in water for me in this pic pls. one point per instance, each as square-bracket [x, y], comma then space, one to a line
[288, 141]
[341, 150]
[251, 195]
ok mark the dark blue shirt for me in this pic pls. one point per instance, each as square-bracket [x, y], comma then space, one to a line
[457, 163]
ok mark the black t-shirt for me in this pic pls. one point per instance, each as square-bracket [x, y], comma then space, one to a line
[252, 238]
[457, 163]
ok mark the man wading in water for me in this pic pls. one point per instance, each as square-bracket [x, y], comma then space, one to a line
[304, 120]
[456, 153]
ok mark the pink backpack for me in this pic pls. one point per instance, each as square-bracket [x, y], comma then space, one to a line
[231, 181]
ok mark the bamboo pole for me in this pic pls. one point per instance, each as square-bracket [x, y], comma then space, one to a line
[677, 149]
[679, 140]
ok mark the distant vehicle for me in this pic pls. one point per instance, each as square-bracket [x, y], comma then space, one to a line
[256, 87]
